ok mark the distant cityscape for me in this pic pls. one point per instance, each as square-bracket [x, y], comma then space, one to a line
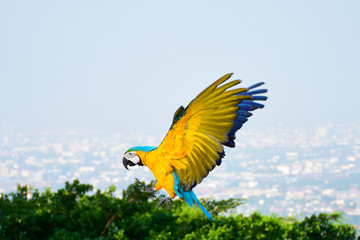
[279, 170]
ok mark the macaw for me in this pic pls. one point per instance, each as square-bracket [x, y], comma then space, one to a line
[194, 144]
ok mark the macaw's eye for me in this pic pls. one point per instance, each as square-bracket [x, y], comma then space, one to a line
[130, 154]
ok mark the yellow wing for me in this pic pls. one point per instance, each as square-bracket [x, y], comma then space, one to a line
[194, 144]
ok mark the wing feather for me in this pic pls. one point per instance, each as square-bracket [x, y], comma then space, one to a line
[194, 143]
[212, 87]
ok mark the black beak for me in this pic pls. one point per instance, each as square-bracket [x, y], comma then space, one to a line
[126, 163]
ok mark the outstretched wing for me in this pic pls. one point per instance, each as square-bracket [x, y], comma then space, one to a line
[194, 144]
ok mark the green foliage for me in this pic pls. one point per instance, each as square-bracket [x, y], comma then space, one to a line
[77, 212]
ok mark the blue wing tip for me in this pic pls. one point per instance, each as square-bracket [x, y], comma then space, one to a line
[259, 98]
[245, 107]
[256, 85]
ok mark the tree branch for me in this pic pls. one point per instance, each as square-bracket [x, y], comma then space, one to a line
[108, 223]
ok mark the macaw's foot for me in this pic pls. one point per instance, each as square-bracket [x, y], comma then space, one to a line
[151, 191]
[168, 200]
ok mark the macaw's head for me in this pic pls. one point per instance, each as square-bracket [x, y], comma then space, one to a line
[131, 157]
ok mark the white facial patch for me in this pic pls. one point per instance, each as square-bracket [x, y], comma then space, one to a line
[132, 157]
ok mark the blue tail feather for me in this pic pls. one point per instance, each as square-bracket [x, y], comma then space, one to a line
[208, 215]
[189, 196]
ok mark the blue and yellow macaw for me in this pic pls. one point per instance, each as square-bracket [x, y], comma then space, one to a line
[194, 144]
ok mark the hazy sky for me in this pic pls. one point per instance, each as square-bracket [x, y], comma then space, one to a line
[128, 65]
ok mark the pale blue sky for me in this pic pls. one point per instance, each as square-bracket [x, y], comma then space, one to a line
[122, 66]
